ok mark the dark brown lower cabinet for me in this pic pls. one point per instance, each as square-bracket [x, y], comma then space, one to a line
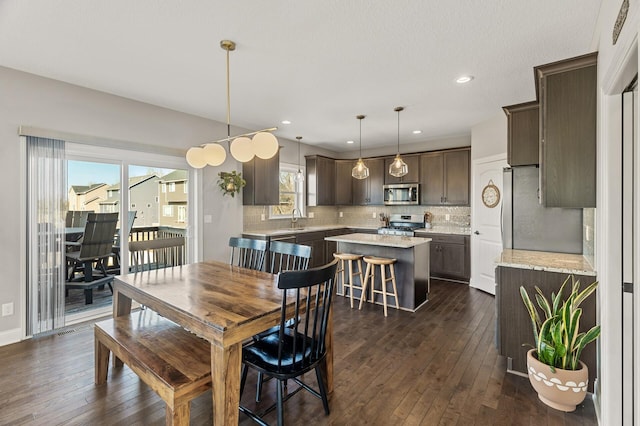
[317, 243]
[514, 324]
[449, 256]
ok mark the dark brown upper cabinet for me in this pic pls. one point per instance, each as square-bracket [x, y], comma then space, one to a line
[344, 191]
[445, 178]
[369, 191]
[567, 92]
[413, 175]
[523, 134]
[321, 180]
[263, 181]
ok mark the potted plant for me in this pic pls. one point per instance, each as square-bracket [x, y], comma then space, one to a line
[554, 365]
[230, 182]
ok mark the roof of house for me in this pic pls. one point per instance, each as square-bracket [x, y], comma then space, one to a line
[175, 176]
[83, 189]
[133, 181]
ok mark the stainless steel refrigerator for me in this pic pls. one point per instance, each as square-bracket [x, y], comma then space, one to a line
[528, 225]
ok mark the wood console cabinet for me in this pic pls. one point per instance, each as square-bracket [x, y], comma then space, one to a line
[449, 256]
[263, 181]
[514, 324]
[567, 91]
[445, 178]
[523, 134]
[321, 180]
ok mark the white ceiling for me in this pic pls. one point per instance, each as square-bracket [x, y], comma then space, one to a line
[316, 63]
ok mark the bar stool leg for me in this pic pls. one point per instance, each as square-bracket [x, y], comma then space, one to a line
[383, 281]
[350, 283]
[359, 264]
[393, 281]
[365, 284]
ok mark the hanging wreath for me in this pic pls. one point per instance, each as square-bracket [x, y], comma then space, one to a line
[230, 182]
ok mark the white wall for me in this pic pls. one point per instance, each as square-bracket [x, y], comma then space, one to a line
[43, 103]
[489, 138]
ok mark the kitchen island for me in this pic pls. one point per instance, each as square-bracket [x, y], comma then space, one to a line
[412, 266]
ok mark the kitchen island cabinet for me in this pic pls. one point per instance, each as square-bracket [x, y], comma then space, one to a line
[412, 266]
[547, 271]
[449, 256]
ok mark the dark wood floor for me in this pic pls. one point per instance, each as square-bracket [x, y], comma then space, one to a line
[438, 366]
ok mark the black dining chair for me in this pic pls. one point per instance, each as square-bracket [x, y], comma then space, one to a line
[299, 347]
[247, 253]
[283, 257]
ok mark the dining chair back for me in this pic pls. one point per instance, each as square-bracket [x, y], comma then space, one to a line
[76, 218]
[97, 240]
[247, 253]
[299, 347]
[288, 256]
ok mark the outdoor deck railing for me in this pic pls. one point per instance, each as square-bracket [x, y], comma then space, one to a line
[155, 247]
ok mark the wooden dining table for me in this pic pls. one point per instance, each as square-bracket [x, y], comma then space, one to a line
[221, 303]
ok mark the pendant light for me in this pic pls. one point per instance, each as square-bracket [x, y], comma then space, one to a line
[398, 168]
[299, 175]
[360, 171]
[243, 148]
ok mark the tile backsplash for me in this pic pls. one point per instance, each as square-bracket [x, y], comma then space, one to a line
[353, 216]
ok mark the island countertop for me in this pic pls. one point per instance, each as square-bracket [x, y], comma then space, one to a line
[380, 240]
[546, 261]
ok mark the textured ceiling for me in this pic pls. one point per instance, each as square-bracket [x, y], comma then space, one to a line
[316, 63]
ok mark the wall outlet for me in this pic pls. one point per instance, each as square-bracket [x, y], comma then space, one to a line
[374, 215]
[263, 217]
[447, 217]
[7, 309]
[312, 215]
[341, 214]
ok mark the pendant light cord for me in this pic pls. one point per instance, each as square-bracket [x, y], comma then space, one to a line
[228, 100]
[399, 132]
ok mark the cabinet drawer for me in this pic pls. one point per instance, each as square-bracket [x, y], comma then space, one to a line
[445, 238]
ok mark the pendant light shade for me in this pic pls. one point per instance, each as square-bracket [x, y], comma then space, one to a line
[360, 170]
[262, 144]
[299, 175]
[398, 168]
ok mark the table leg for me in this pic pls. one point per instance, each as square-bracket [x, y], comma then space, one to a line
[327, 369]
[121, 303]
[226, 363]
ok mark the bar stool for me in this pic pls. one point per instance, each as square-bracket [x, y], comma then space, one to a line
[370, 275]
[348, 257]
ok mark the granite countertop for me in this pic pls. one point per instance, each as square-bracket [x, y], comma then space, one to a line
[300, 230]
[380, 240]
[546, 261]
[444, 229]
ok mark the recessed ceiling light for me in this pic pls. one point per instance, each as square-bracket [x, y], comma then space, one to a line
[285, 122]
[349, 141]
[464, 79]
[417, 132]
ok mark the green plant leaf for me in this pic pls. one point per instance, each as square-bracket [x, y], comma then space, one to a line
[543, 303]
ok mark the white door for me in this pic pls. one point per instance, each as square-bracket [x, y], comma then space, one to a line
[486, 235]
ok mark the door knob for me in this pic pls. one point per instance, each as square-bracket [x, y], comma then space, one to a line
[477, 233]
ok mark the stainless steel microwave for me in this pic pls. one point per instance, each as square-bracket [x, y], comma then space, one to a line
[402, 194]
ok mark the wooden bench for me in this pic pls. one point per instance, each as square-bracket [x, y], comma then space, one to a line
[175, 363]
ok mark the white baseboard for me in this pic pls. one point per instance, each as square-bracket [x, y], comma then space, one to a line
[10, 336]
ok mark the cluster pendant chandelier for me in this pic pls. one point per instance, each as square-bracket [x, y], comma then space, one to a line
[360, 170]
[262, 144]
[398, 168]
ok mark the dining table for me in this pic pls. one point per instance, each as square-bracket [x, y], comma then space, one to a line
[224, 304]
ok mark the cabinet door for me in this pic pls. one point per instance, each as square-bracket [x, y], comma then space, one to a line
[413, 175]
[321, 180]
[263, 181]
[456, 179]
[568, 100]
[523, 134]
[432, 179]
[376, 181]
[344, 192]
[453, 261]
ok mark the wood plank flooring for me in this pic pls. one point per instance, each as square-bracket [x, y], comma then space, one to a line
[438, 366]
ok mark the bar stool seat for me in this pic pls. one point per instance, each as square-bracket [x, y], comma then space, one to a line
[342, 270]
[369, 278]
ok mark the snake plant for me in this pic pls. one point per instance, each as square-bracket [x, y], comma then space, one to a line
[558, 341]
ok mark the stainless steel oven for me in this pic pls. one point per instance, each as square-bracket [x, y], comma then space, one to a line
[401, 194]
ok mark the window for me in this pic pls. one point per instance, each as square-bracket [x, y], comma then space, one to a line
[291, 193]
[172, 187]
[164, 188]
[185, 187]
[182, 213]
[167, 211]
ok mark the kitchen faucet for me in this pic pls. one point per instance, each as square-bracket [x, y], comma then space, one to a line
[294, 219]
